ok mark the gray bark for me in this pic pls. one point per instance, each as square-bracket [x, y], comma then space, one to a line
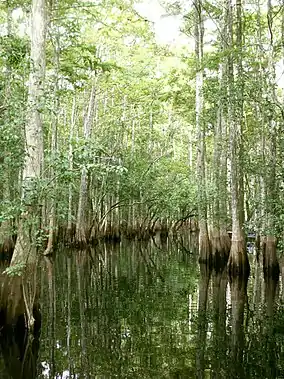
[29, 222]
[82, 225]
[238, 261]
[204, 245]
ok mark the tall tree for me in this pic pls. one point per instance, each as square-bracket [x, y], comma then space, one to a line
[220, 240]
[270, 263]
[204, 243]
[54, 128]
[83, 222]
[26, 244]
[6, 241]
[238, 260]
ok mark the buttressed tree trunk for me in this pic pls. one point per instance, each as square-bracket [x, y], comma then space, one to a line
[220, 240]
[26, 244]
[238, 260]
[204, 244]
[270, 262]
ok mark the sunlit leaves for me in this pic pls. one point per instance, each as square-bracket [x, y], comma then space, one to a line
[13, 50]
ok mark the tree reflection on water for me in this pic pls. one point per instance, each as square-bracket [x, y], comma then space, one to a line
[136, 310]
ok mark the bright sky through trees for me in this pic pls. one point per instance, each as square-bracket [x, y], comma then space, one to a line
[167, 27]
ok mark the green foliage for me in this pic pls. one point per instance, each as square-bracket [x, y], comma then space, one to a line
[77, 61]
[13, 50]
[144, 111]
[15, 270]
[9, 210]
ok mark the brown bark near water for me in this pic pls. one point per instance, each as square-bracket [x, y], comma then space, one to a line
[270, 261]
[204, 243]
[238, 260]
[220, 245]
[19, 297]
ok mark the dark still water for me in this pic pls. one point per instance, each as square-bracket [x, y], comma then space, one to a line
[149, 311]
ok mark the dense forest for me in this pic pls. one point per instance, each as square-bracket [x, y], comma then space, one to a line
[107, 132]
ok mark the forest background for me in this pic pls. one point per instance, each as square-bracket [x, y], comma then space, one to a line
[106, 132]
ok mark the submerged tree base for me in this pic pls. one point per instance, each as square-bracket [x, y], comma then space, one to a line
[238, 264]
[272, 271]
[81, 240]
[19, 294]
[220, 247]
[205, 252]
[270, 262]
[111, 233]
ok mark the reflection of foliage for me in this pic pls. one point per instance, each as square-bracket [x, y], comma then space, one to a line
[130, 318]
[136, 320]
[264, 347]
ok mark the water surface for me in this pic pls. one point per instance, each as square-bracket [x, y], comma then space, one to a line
[137, 310]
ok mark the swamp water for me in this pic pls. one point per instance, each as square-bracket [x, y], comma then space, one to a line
[138, 310]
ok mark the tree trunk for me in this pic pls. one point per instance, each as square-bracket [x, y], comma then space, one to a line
[220, 240]
[82, 225]
[26, 245]
[6, 240]
[52, 211]
[204, 243]
[70, 156]
[270, 262]
[223, 146]
[238, 260]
